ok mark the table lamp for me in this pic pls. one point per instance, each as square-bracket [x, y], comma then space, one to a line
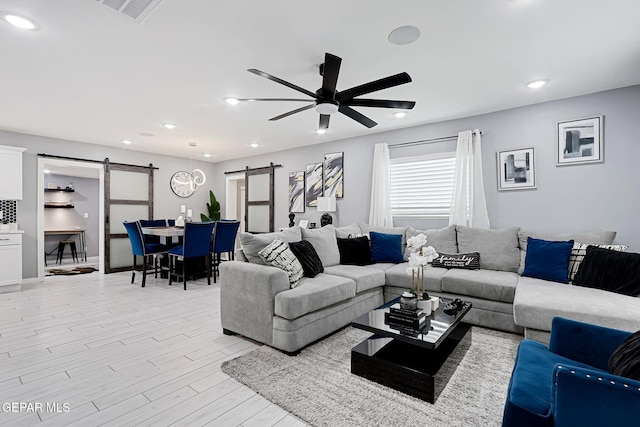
[326, 205]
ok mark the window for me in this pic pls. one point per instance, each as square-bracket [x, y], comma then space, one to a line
[422, 186]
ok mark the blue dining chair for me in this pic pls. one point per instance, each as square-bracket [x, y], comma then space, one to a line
[140, 248]
[224, 241]
[152, 223]
[195, 243]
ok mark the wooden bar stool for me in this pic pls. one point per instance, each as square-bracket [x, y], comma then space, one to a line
[61, 246]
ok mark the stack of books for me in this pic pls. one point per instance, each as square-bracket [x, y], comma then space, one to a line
[408, 318]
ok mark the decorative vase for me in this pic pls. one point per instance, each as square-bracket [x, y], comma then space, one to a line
[425, 305]
[435, 303]
[4, 227]
[408, 301]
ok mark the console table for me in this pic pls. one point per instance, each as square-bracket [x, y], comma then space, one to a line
[76, 232]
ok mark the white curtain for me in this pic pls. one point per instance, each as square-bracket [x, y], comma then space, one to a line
[380, 210]
[469, 206]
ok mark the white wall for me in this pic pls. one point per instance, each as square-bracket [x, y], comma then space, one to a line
[601, 196]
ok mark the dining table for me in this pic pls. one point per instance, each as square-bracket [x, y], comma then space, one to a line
[169, 232]
[164, 231]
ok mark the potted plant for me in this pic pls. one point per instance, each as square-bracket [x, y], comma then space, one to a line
[421, 255]
[4, 225]
[213, 209]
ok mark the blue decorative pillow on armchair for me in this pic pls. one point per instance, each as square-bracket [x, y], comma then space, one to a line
[386, 247]
[548, 260]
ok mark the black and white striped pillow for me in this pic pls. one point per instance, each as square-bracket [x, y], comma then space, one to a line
[580, 250]
[278, 254]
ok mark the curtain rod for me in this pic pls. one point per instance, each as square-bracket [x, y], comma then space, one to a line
[425, 141]
[252, 169]
[51, 156]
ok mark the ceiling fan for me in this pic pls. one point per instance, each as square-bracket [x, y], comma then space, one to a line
[327, 100]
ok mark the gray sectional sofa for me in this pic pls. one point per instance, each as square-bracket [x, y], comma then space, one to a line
[257, 302]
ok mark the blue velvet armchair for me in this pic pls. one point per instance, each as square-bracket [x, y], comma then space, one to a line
[568, 383]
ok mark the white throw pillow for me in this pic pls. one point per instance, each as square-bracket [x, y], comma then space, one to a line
[278, 254]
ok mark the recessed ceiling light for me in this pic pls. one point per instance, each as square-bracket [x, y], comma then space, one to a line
[46, 171]
[169, 125]
[254, 145]
[207, 155]
[21, 22]
[232, 101]
[536, 84]
[127, 141]
[404, 35]
[321, 131]
[399, 114]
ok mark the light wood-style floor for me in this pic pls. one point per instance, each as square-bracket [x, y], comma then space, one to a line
[120, 355]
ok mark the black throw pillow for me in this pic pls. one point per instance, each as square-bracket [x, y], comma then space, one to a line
[308, 257]
[610, 270]
[354, 251]
[625, 361]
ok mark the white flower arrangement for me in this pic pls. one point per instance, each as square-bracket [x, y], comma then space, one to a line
[414, 243]
[420, 256]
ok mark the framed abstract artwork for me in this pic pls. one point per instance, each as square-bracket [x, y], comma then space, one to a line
[580, 141]
[516, 169]
[313, 186]
[296, 192]
[333, 175]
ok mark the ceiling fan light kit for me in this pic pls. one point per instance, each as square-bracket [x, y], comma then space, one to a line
[327, 100]
[327, 107]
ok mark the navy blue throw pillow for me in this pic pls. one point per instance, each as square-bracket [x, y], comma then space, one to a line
[547, 260]
[386, 248]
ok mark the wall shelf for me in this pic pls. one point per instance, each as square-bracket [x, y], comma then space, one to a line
[59, 206]
[58, 190]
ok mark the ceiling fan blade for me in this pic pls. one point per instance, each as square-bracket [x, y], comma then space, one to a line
[330, 75]
[387, 82]
[324, 121]
[380, 103]
[360, 118]
[275, 99]
[297, 110]
[282, 82]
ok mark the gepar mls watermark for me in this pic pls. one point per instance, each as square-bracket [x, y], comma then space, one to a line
[26, 407]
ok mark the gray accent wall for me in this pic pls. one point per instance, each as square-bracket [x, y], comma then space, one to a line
[602, 196]
[167, 204]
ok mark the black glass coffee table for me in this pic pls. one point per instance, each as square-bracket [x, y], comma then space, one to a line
[407, 359]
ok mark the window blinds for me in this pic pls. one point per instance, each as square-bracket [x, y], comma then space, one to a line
[422, 186]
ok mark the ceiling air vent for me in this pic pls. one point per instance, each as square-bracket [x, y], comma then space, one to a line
[136, 9]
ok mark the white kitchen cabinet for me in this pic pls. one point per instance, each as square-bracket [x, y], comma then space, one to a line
[10, 258]
[11, 172]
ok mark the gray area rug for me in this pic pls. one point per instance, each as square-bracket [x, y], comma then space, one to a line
[318, 387]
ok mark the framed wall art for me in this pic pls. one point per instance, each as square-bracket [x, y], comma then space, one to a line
[580, 141]
[313, 186]
[516, 169]
[334, 175]
[296, 192]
